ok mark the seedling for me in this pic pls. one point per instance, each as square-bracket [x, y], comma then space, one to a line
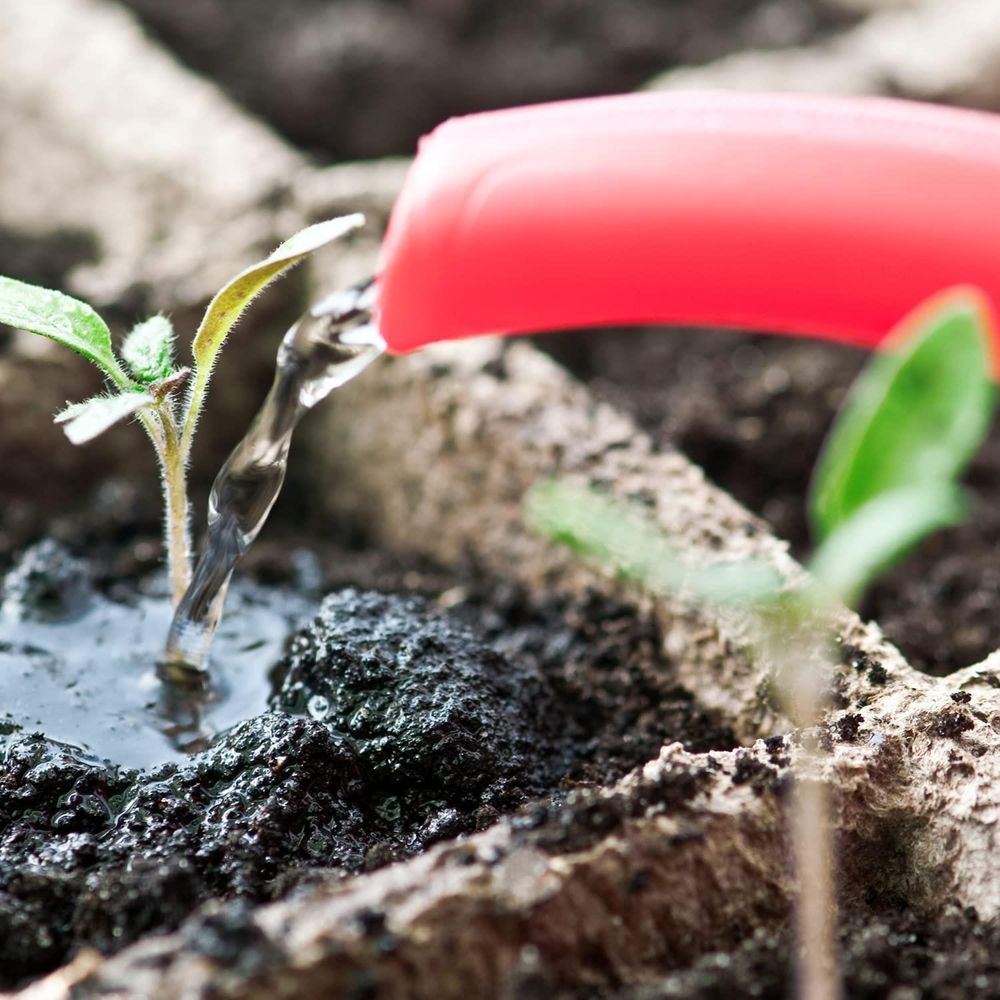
[887, 477]
[144, 380]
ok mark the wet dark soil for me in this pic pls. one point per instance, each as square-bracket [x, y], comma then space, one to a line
[753, 412]
[362, 78]
[394, 723]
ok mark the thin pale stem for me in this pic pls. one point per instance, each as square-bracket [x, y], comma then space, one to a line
[816, 924]
[817, 972]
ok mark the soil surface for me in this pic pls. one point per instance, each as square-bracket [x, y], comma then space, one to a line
[361, 78]
[894, 955]
[394, 723]
[753, 412]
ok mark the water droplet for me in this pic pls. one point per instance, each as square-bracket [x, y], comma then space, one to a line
[318, 707]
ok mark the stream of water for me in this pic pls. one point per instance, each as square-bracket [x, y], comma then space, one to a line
[329, 346]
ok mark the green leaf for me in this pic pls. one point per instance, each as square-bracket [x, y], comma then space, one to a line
[84, 421]
[916, 415]
[880, 532]
[230, 302]
[610, 533]
[148, 350]
[60, 318]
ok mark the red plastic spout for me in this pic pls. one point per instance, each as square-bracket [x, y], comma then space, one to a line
[828, 217]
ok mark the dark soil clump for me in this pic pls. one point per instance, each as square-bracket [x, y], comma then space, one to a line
[753, 410]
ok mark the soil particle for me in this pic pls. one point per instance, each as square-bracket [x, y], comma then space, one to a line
[848, 727]
[951, 724]
[433, 712]
[755, 773]
[226, 934]
[47, 584]
[582, 819]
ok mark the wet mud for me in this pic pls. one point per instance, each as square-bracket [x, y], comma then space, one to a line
[392, 724]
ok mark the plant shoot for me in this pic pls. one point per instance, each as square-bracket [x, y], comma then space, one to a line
[145, 381]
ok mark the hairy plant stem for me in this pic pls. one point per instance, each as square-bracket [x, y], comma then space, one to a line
[161, 428]
[176, 521]
[192, 409]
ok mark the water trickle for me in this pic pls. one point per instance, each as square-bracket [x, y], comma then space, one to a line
[331, 344]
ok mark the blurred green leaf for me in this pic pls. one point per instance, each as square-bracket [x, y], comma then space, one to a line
[60, 318]
[148, 349]
[85, 421]
[881, 532]
[917, 413]
[616, 536]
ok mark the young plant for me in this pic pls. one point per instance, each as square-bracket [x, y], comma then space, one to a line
[887, 477]
[145, 381]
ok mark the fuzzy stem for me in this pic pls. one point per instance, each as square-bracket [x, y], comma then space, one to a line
[192, 409]
[176, 528]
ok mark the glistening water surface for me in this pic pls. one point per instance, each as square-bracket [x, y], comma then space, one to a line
[90, 680]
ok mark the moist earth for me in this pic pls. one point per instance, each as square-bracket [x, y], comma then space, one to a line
[894, 955]
[394, 724]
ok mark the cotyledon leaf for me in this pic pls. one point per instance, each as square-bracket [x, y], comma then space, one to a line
[84, 421]
[624, 540]
[230, 302]
[918, 412]
[61, 318]
[880, 532]
[227, 306]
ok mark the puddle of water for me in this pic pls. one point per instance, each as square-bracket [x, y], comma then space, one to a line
[92, 683]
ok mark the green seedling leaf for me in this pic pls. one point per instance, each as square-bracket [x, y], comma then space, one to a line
[608, 532]
[85, 421]
[60, 318]
[230, 302]
[881, 532]
[148, 350]
[916, 415]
